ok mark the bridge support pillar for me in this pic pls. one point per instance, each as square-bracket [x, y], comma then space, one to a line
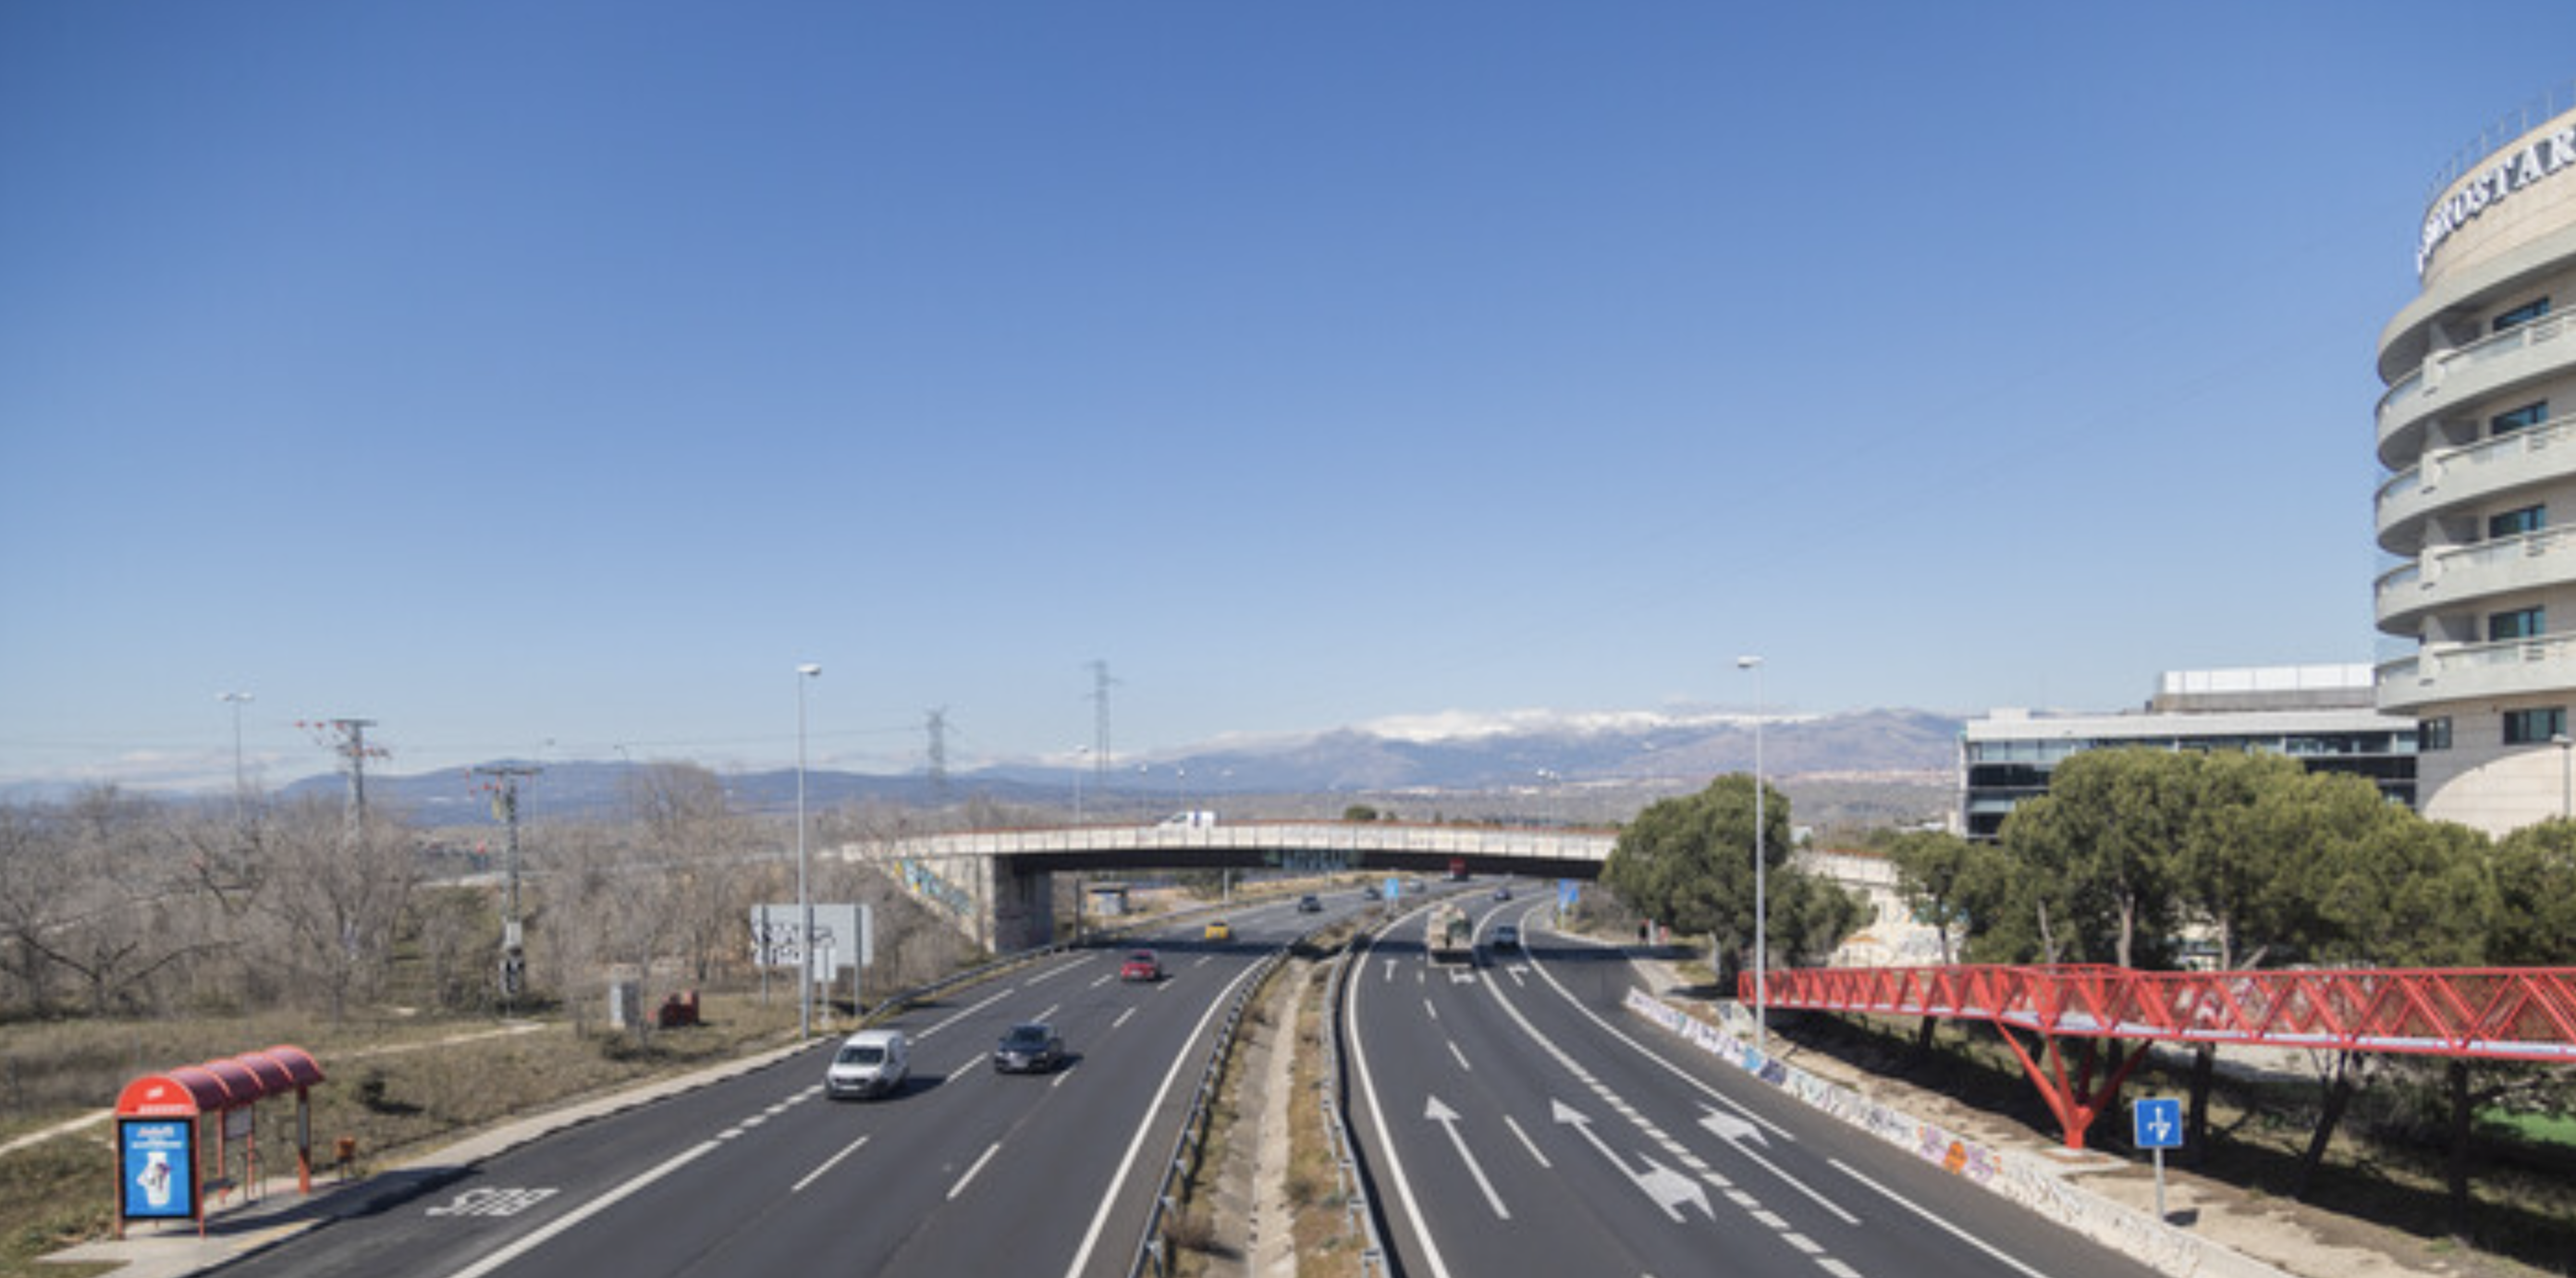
[1023, 906]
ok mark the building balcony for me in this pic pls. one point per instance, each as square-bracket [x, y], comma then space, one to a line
[2446, 579]
[2466, 374]
[2454, 477]
[2477, 671]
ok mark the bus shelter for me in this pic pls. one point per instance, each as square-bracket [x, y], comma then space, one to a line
[168, 1123]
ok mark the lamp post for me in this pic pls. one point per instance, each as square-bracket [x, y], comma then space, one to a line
[804, 902]
[236, 700]
[1761, 906]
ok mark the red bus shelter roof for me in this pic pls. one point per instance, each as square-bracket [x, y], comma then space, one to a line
[215, 1086]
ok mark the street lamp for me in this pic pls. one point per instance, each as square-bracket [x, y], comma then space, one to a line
[804, 902]
[1761, 906]
[236, 699]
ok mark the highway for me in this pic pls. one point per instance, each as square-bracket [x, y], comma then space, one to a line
[962, 1172]
[1514, 1120]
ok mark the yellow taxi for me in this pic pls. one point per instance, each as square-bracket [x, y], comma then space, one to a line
[1217, 930]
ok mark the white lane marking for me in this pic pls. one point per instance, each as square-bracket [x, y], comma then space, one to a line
[1448, 1120]
[828, 1164]
[1390, 967]
[1429, 1010]
[1758, 1160]
[1377, 1115]
[1048, 1014]
[1642, 1050]
[1054, 972]
[960, 1186]
[1953, 1230]
[1109, 1198]
[573, 1218]
[1105, 978]
[1122, 1018]
[1203, 960]
[963, 1013]
[1527, 1143]
[1462, 1056]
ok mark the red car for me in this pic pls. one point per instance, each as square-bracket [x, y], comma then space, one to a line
[1141, 966]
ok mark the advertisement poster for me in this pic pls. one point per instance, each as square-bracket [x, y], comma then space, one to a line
[159, 1157]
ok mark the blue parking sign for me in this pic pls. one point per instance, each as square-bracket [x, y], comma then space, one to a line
[2156, 1124]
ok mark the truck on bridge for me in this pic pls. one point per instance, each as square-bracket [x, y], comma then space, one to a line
[1448, 935]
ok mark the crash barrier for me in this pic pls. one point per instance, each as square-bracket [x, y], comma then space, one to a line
[1154, 1252]
[162, 1121]
[2030, 1182]
[1337, 1130]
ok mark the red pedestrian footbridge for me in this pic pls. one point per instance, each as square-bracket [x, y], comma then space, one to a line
[2503, 1014]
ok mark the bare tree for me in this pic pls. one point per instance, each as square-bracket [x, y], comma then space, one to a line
[336, 894]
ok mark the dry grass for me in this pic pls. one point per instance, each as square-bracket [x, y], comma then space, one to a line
[396, 1085]
[1327, 1245]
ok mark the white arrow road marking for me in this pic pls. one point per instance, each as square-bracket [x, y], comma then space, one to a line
[1448, 1120]
[1668, 1188]
[1729, 1128]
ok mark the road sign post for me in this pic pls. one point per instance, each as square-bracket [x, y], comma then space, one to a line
[2155, 1124]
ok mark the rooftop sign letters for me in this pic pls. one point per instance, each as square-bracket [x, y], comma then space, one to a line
[2544, 157]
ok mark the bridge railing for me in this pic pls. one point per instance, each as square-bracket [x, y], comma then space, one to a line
[2526, 1013]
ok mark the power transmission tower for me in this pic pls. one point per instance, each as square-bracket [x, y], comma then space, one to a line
[504, 789]
[348, 739]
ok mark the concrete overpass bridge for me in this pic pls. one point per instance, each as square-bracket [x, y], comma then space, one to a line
[999, 885]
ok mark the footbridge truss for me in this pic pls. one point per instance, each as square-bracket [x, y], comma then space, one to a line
[2501, 1014]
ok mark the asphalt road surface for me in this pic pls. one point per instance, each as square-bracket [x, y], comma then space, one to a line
[964, 1171]
[1514, 1120]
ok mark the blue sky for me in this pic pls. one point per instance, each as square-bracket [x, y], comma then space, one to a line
[541, 379]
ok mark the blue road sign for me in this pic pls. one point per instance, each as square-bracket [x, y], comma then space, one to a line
[1568, 891]
[1394, 887]
[2156, 1124]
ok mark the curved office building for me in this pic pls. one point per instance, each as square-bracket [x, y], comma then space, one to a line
[2477, 434]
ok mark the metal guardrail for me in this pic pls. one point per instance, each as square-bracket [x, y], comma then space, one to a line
[1337, 1131]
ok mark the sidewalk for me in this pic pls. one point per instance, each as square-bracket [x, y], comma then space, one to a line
[168, 1249]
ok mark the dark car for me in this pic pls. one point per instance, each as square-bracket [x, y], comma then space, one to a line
[1503, 892]
[1029, 1048]
[1308, 904]
[1507, 936]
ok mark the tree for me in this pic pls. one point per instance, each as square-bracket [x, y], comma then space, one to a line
[2109, 825]
[1688, 863]
[2258, 821]
[337, 888]
[1935, 875]
[2408, 893]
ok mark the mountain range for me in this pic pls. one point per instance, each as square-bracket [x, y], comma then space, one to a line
[1533, 753]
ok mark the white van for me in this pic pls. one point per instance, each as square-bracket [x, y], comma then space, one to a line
[869, 1063]
[1190, 821]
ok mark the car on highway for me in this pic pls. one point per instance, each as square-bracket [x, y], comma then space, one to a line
[1507, 936]
[1141, 965]
[1310, 904]
[1031, 1047]
[1502, 891]
[1217, 930]
[1369, 892]
[869, 1063]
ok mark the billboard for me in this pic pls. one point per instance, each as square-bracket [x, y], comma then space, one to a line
[157, 1158]
[844, 936]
